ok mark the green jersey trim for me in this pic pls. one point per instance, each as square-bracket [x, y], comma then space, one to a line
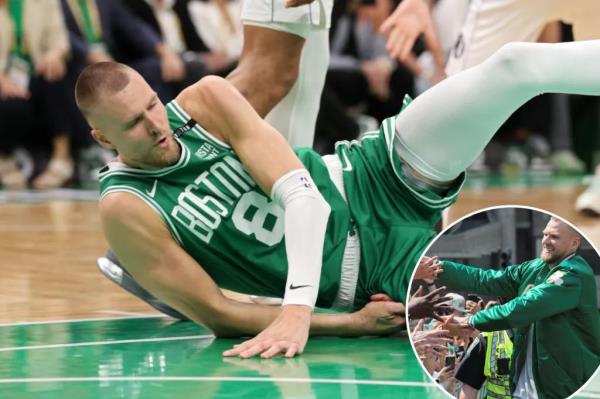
[388, 132]
[364, 136]
[199, 130]
[118, 168]
[148, 200]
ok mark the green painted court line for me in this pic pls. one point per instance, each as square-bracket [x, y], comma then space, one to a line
[32, 323]
[229, 379]
[98, 343]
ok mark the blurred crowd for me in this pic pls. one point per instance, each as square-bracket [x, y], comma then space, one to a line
[44, 45]
[461, 363]
[467, 363]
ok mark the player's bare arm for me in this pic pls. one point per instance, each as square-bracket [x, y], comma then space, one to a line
[270, 160]
[218, 107]
[141, 239]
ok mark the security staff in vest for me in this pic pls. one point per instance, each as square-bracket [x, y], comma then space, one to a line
[499, 349]
[487, 361]
[554, 314]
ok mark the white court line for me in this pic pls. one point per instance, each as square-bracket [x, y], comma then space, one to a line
[228, 379]
[98, 343]
[124, 313]
[29, 323]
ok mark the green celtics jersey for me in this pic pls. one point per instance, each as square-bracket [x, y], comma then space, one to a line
[221, 217]
[395, 214]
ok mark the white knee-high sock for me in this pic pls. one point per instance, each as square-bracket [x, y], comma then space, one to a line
[296, 115]
[444, 129]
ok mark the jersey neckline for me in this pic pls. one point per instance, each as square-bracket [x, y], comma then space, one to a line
[118, 166]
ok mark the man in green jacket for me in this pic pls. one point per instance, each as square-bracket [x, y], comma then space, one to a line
[554, 314]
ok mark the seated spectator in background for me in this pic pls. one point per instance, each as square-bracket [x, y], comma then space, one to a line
[105, 30]
[198, 42]
[360, 75]
[219, 24]
[33, 49]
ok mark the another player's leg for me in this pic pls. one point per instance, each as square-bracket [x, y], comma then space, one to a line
[589, 200]
[296, 115]
[447, 127]
[585, 26]
[583, 16]
[268, 66]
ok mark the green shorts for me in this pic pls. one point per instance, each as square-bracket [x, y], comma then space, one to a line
[394, 217]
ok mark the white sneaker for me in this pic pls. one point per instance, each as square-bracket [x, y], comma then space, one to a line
[589, 200]
[566, 162]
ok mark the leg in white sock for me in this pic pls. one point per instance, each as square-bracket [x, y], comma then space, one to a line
[296, 115]
[443, 130]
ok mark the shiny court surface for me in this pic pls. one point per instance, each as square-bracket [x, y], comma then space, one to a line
[48, 249]
[159, 358]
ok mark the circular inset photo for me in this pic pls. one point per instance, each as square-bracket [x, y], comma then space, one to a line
[504, 304]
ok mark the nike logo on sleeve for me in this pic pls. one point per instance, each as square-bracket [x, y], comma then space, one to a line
[295, 287]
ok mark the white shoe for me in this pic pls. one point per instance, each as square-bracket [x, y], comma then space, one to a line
[566, 162]
[589, 200]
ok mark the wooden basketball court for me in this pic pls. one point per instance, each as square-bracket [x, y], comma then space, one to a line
[67, 332]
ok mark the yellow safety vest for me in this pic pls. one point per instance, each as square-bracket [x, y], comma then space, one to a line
[499, 346]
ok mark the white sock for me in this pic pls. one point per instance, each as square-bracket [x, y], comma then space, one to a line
[444, 129]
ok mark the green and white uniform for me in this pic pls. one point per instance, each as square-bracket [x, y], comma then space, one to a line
[376, 231]
[555, 308]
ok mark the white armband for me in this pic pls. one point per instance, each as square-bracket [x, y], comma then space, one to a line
[305, 221]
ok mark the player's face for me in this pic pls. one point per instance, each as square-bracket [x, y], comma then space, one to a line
[557, 243]
[134, 122]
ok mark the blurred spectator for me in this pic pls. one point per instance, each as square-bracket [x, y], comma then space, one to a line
[360, 76]
[199, 32]
[218, 23]
[464, 373]
[491, 367]
[457, 303]
[437, 352]
[33, 50]
[474, 304]
[105, 30]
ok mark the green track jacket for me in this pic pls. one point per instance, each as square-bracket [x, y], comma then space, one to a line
[560, 303]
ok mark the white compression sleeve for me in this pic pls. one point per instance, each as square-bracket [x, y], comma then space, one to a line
[306, 216]
[444, 129]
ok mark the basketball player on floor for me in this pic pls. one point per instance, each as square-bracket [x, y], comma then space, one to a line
[204, 191]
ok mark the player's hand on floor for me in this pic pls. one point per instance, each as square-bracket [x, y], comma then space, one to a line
[431, 305]
[380, 317]
[286, 335]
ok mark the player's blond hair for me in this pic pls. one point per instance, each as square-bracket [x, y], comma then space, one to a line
[570, 228]
[98, 79]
